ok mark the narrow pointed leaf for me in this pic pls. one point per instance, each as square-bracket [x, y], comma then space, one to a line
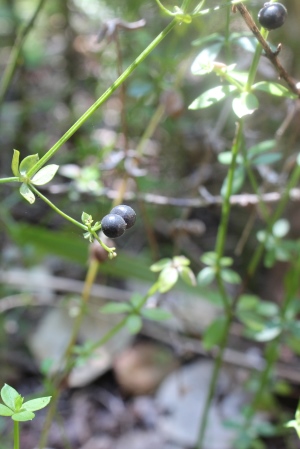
[28, 163]
[44, 175]
[15, 163]
[36, 404]
[115, 307]
[9, 396]
[24, 415]
[156, 314]
[27, 193]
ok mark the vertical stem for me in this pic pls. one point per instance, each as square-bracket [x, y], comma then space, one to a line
[222, 231]
[213, 382]
[16, 435]
[15, 52]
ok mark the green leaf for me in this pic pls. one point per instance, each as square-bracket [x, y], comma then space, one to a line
[9, 396]
[267, 334]
[160, 265]
[247, 302]
[204, 62]
[245, 104]
[206, 276]
[136, 300]
[23, 415]
[261, 147]
[247, 43]
[27, 163]
[134, 324]
[208, 38]
[226, 261]
[209, 258]
[86, 218]
[267, 159]
[187, 276]
[18, 403]
[230, 276]
[27, 193]
[267, 309]
[214, 333]
[281, 228]
[37, 404]
[15, 163]
[212, 96]
[225, 158]
[181, 260]
[156, 314]
[238, 181]
[167, 279]
[44, 175]
[274, 89]
[5, 411]
[115, 307]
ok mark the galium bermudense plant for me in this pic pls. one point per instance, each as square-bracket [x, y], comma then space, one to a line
[241, 87]
[14, 406]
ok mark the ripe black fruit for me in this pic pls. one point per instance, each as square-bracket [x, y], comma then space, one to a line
[126, 212]
[113, 226]
[272, 15]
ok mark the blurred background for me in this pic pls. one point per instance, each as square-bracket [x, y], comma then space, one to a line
[145, 148]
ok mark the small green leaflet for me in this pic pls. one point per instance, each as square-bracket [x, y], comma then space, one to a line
[15, 163]
[27, 163]
[212, 96]
[44, 175]
[245, 104]
[27, 193]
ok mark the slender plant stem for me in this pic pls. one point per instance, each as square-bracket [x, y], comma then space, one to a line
[57, 210]
[222, 231]
[12, 179]
[213, 382]
[16, 435]
[15, 52]
[50, 153]
[220, 245]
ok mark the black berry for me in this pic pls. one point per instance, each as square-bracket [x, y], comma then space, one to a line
[126, 212]
[113, 225]
[272, 15]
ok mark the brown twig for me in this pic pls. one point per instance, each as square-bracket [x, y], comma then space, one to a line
[269, 53]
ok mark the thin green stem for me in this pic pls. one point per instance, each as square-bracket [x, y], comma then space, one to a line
[222, 231]
[50, 153]
[57, 210]
[15, 52]
[213, 382]
[12, 179]
[16, 435]
[220, 245]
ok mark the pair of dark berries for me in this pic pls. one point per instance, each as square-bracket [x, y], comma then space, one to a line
[117, 221]
[272, 15]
